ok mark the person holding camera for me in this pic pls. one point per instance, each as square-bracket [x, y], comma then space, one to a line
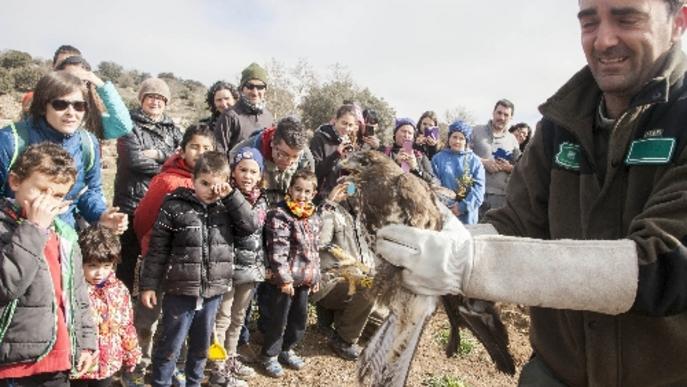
[404, 153]
[427, 139]
[368, 139]
[330, 143]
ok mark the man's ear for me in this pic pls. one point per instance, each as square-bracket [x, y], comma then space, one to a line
[679, 24]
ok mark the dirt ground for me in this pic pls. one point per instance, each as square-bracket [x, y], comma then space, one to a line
[430, 366]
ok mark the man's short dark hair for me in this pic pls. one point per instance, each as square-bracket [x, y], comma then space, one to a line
[99, 244]
[292, 132]
[212, 162]
[198, 130]
[507, 104]
[74, 60]
[64, 49]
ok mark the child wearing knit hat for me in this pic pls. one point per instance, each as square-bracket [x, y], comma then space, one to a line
[249, 270]
[461, 171]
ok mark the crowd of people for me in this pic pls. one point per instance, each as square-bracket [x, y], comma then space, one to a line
[241, 217]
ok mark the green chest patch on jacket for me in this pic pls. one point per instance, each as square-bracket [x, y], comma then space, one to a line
[569, 156]
[650, 151]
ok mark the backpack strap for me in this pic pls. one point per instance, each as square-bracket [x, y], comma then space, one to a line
[20, 132]
[87, 150]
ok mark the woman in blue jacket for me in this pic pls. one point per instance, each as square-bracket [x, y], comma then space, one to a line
[461, 171]
[57, 114]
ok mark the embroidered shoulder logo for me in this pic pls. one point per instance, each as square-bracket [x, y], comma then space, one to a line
[568, 156]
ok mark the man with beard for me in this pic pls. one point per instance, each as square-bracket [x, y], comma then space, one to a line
[498, 149]
[249, 114]
[595, 223]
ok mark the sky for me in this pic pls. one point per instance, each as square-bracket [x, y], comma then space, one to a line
[417, 55]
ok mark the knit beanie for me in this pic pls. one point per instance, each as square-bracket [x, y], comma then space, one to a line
[404, 121]
[154, 86]
[253, 71]
[247, 153]
[460, 126]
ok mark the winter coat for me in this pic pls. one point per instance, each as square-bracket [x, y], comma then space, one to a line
[324, 148]
[27, 284]
[87, 192]
[559, 190]
[275, 182]
[134, 170]
[424, 166]
[292, 247]
[191, 245]
[239, 123]
[116, 120]
[249, 251]
[174, 174]
[487, 146]
[114, 317]
[340, 229]
[449, 167]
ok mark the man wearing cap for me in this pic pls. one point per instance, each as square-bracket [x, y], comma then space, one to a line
[498, 149]
[249, 114]
[594, 231]
[140, 155]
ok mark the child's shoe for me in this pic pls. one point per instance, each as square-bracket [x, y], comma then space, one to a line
[272, 367]
[238, 369]
[178, 378]
[291, 360]
[134, 378]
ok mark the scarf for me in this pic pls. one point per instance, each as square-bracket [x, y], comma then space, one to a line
[299, 209]
[255, 109]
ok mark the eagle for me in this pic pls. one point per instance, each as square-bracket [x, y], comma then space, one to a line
[386, 195]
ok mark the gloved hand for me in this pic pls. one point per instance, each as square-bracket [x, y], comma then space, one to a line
[434, 262]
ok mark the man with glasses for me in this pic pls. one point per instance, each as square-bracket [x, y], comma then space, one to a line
[249, 114]
[284, 149]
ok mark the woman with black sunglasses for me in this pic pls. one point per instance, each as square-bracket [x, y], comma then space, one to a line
[57, 114]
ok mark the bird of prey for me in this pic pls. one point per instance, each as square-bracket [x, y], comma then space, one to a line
[388, 195]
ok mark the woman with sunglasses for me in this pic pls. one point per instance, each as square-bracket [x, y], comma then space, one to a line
[249, 114]
[140, 155]
[57, 113]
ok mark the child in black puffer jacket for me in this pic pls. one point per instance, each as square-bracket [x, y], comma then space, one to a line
[190, 259]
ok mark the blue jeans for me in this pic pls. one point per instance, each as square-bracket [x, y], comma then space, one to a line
[180, 320]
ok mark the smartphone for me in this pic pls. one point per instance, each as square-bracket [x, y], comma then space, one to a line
[408, 147]
[369, 130]
[432, 132]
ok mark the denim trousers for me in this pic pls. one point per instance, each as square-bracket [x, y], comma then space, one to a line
[180, 320]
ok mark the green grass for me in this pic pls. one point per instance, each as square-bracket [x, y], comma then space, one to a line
[467, 342]
[443, 381]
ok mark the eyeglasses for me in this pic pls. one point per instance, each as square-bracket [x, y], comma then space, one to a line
[281, 155]
[61, 104]
[253, 86]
